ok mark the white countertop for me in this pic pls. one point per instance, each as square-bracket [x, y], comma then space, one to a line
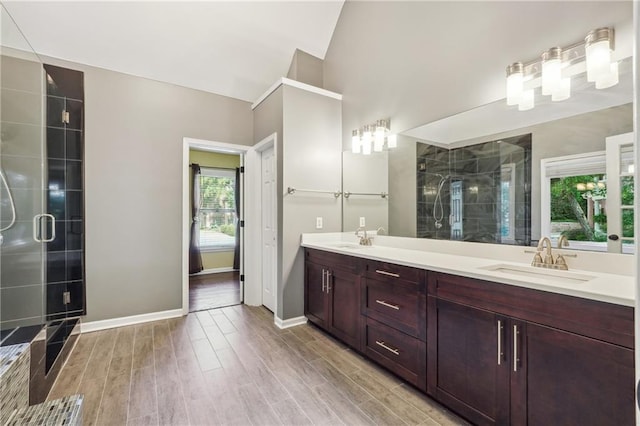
[601, 286]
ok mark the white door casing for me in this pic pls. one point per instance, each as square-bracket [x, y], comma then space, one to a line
[268, 228]
[620, 165]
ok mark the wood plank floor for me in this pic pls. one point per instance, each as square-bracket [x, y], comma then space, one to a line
[233, 366]
[214, 290]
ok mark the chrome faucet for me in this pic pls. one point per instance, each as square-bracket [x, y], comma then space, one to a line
[364, 240]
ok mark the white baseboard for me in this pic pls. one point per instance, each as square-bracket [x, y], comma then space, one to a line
[214, 271]
[87, 327]
[291, 322]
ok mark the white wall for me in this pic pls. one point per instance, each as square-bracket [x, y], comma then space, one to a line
[133, 184]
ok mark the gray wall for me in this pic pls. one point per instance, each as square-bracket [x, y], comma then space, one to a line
[311, 160]
[365, 174]
[309, 157]
[133, 180]
[435, 59]
[306, 68]
[402, 188]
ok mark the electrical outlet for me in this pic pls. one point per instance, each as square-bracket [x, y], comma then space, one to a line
[362, 222]
[319, 222]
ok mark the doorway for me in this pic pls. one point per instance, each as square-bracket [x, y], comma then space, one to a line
[214, 279]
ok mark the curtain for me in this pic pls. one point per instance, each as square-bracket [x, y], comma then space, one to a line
[195, 259]
[236, 252]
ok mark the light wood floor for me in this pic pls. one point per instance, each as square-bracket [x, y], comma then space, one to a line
[214, 290]
[233, 366]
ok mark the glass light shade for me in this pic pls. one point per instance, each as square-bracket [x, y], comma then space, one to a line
[366, 142]
[515, 83]
[355, 142]
[551, 76]
[608, 80]
[378, 140]
[598, 60]
[527, 101]
[563, 91]
[590, 185]
[392, 141]
[631, 168]
[601, 185]
[581, 187]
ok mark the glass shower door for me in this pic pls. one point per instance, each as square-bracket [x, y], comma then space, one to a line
[22, 191]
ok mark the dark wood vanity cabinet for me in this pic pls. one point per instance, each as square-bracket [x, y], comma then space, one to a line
[394, 311]
[501, 354]
[332, 294]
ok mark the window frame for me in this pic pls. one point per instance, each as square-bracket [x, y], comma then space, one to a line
[218, 172]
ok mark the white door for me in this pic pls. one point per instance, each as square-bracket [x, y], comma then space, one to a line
[620, 196]
[268, 228]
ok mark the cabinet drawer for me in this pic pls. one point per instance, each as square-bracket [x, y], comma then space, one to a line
[391, 271]
[402, 354]
[333, 260]
[400, 304]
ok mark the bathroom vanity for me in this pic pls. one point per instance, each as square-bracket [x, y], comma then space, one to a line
[483, 337]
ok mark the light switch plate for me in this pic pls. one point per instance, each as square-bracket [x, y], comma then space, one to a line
[319, 222]
[362, 221]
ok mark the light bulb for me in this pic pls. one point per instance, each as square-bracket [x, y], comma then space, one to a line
[563, 91]
[515, 82]
[366, 141]
[551, 70]
[608, 80]
[527, 101]
[355, 142]
[598, 53]
[581, 187]
[392, 141]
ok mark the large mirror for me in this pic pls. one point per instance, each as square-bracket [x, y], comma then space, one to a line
[546, 173]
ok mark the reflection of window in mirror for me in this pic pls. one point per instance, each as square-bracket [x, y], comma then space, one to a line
[574, 200]
[508, 203]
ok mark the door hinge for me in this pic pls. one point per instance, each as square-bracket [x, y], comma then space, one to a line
[66, 297]
[242, 224]
[65, 117]
[242, 169]
[242, 278]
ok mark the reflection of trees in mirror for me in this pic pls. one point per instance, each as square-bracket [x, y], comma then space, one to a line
[578, 207]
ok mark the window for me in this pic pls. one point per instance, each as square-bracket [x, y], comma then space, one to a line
[574, 200]
[217, 209]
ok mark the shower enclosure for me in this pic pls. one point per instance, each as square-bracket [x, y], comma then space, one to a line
[479, 193]
[23, 223]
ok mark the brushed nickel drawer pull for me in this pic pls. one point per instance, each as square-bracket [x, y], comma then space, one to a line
[390, 274]
[395, 351]
[499, 342]
[388, 305]
[515, 349]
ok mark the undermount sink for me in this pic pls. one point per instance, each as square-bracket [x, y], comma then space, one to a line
[554, 275]
[348, 246]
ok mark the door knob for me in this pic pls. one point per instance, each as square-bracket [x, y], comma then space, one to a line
[613, 237]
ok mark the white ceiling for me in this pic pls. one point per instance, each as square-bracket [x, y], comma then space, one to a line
[233, 48]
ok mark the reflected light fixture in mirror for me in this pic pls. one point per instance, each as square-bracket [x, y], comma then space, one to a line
[376, 134]
[553, 71]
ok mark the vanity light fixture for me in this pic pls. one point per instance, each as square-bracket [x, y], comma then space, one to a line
[372, 137]
[552, 72]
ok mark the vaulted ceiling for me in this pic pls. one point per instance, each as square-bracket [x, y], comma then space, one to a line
[232, 48]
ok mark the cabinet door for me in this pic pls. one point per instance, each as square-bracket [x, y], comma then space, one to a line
[569, 379]
[471, 372]
[344, 310]
[314, 296]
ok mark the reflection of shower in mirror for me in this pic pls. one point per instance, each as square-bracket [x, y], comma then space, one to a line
[438, 210]
[5, 185]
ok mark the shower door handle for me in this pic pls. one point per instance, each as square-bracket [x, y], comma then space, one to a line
[37, 228]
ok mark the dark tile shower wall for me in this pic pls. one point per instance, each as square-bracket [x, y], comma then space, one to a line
[65, 195]
[478, 171]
